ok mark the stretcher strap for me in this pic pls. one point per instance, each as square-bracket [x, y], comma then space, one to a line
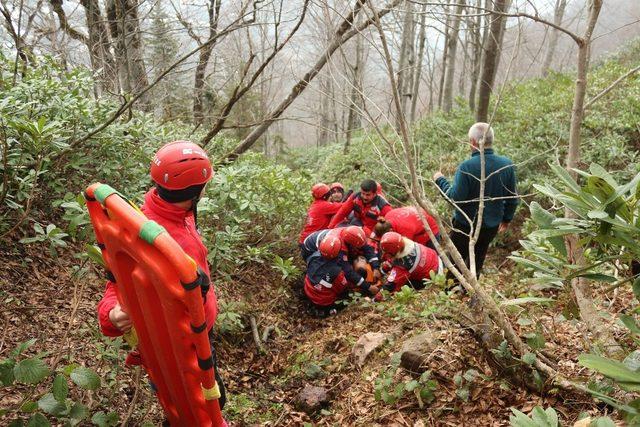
[103, 191]
[211, 393]
[131, 337]
[199, 329]
[150, 230]
[205, 364]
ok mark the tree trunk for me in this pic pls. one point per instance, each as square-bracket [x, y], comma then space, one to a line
[476, 60]
[345, 31]
[445, 55]
[580, 285]
[415, 88]
[407, 56]
[122, 16]
[491, 59]
[447, 98]
[553, 39]
[213, 9]
[355, 104]
[99, 45]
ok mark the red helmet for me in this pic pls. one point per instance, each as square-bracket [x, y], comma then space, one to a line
[354, 236]
[392, 243]
[337, 186]
[320, 190]
[330, 246]
[179, 165]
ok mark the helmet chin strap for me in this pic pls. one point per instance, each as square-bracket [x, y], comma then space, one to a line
[194, 208]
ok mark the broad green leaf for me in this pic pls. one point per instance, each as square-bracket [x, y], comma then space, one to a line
[602, 422]
[636, 287]
[598, 277]
[543, 418]
[38, 420]
[22, 347]
[529, 358]
[105, 420]
[78, 411]
[609, 368]
[16, 423]
[541, 216]
[85, 378]
[6, 372]
[60, 388]
[564, 175]
[519, 419]
[29, 406]
[51, 406]
[411, 385]
[525, 300]
[632, 361]
[30, 371]
[630, 323]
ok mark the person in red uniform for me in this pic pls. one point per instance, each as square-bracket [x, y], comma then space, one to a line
[320, 211]
[367, 205]
[353, 243]
[406, 221]
[180, 171]
[411, 262]
[325, 282]
[337, 192]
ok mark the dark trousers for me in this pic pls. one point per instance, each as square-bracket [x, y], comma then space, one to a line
[461, 241]
[223, 392]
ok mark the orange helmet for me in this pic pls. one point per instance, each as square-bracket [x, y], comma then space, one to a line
[337, 186]
[330, 246]
[392, 243]
[354, 236]
[179, 165]
[320, 190]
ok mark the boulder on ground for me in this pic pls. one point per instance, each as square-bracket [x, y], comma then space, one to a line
[416, 349]
[311, 399]
[367, 344]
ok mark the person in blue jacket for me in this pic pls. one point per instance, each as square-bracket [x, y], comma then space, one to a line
[500, 195]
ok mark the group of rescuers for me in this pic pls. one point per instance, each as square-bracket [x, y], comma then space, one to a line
[358, 242]
[349, 243]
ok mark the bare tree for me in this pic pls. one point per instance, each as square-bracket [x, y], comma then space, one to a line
[345, 31]
[407, 56]
[493, 47]
[415, 87]
[476, 58]
[452, 48]
[122, 16]
[213, 13]
[558, 14]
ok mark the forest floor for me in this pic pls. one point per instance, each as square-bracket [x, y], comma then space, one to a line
[42, 298]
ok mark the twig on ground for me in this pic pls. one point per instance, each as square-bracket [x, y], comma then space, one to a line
[132, 405]
[266, 332]
[256, 335]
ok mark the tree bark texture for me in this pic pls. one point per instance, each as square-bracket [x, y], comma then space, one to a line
[407, 57]
[452, 49]
[492, 52]
[122, 16]
[555, 34]
[475, 24]
[99, 45]
[415, 88]
[213, 10]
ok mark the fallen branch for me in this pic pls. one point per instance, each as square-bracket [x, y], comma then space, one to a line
[132, 405]
[256, 335]
[267, 331]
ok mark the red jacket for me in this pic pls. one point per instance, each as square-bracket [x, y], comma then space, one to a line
[325, 280]
[407, 222]
[318, 217]
[180, 225]
[367, 213]
[416, 262]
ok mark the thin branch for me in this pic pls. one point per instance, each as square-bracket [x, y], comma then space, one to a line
[611, 87]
